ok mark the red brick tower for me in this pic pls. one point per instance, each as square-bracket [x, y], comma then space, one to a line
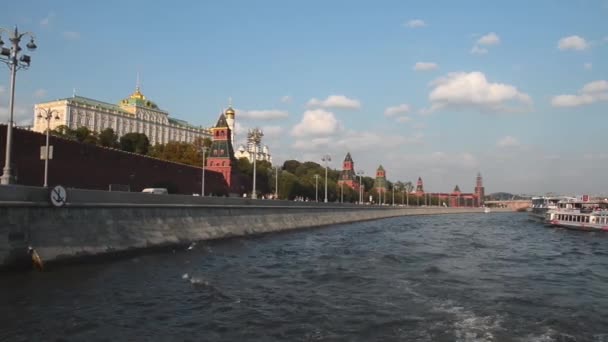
[380, 182]
[348, 176]
[480, 191]
[419, 187]
[221, 155]
[455, 197]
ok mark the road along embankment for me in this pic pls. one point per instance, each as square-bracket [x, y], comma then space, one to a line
[87, 223]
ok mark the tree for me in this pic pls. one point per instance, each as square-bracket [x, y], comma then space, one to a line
[108, 138]
[84, 135]
[64, 132]
[135, 142]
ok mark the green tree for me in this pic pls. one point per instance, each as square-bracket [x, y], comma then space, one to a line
[64, 132]
[135, 142]
[108, 138]
[291, 166]
[84, 135]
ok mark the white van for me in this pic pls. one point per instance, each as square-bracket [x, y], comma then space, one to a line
[155, 191]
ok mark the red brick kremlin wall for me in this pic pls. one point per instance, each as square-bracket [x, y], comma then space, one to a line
[88, 166]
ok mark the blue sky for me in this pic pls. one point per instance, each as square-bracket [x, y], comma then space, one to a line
[517, 90]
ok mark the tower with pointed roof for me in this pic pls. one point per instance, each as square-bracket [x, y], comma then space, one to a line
[221, 154]
[380, 182]
[480, 191]
[455, 197]
[348, 175]
[419, 187]
[230, 119]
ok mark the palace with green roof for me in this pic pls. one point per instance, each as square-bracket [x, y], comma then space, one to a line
[135, 113]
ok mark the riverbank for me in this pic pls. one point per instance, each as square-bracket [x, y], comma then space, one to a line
[91, 223]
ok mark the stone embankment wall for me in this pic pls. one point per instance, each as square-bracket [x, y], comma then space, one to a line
[96, 223]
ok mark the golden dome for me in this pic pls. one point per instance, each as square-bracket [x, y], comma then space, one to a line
[137, 95]
[229, 111]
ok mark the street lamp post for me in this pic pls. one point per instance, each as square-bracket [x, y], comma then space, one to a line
[360, 174]
[341, 192]
[326, 158]
[204, 149]
[316, 188]
[255, 135]
[255, 156]
[9, 56]
[393, 191]
[47, 114]
[276, 183]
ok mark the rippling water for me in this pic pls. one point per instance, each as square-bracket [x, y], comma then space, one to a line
[493, 277]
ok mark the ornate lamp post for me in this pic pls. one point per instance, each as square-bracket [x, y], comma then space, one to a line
[47, 115]
[10, 56]
[276, 183]
[316, 188]
[255, 135]
[326, 159]
[360, 173]
[204, 150]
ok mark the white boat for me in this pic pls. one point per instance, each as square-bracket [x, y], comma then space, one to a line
[540, 206]
[579, 215]
[486, 210]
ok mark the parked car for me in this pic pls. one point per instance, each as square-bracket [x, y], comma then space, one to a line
[155, 191]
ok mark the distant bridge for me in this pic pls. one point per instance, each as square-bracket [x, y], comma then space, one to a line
[512, 204]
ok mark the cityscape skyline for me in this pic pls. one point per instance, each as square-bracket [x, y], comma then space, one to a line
[437, 94]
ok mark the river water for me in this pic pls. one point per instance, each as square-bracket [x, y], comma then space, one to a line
[467, 277]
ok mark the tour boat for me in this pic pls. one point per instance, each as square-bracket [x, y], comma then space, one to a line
[580, 215]
[540, 206]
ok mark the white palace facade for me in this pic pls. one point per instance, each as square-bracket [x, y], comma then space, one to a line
[135, 114]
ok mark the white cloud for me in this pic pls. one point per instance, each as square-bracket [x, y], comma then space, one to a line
[71, 35]
[588, 66]
[508, 141]
[267, 114]
[415, 23]
[373, 141]
[396, 110]
[272, 132]
[317, 122]
[40, 93]
[47, 20]
[315, 144]
[572, 43]
[22, 116]
[590, 93]
[460, 90]
[489, 39]
[425, 66]
[476, 50]
[286, 99]
[335, 101]
[485, 40]
[403, 119]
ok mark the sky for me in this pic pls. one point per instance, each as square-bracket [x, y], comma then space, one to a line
[516, 90]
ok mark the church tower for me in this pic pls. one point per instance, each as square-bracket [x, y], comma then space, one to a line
[348, 176]
[221, 155]
[480, 191]
[230, 119]
[380, 182]
[419, 187]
